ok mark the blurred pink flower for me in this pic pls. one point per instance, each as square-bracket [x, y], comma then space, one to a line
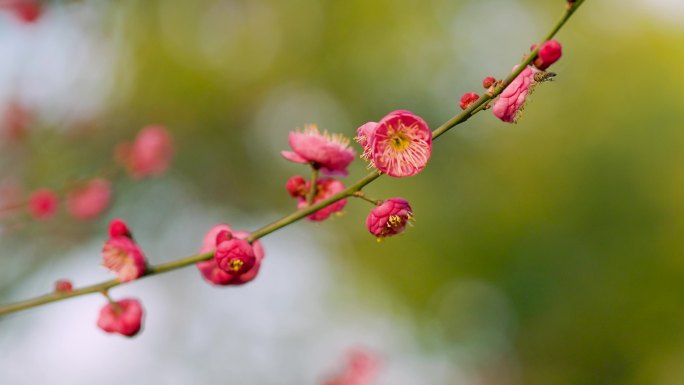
[512, 99]
[233, 255]
[389, 218]
[121, 254]
[89, 200]
[361, 368]
[325, 188]
[28, 11]
[124, 317]
[149, 155]
[297, 186]
[401, 144]
[210, 270]
[15, 120]
[42, 203]
[549, 53]
[330, 153]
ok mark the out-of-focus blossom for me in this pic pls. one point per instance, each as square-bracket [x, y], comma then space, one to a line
[89, 200]
[149, 155]
[28, 11]
[361, 368]
[512, 98]
[43, 203]
[330, 153]
[401, 144]
[121, 254]
[124, 317]
[389, 218]
[209, 268]
[14, 122]
[297, 186]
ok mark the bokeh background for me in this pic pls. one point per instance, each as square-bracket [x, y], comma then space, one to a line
[546, 252]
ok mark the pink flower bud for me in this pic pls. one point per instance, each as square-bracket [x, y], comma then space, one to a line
[325, 188]
[119, 228]
[90, 200]
[549, 53]
[149, 155]
[488, 81]
[401, 144]
[43, 204]
[467, 99]
[63, 286]
[513, 97]
[210, 270]
[389, 218]
[121, 254]
[124, 317]
[330, 153]
[234, 256]
[297, 186]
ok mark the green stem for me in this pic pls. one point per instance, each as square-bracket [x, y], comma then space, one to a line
[303, 212]
[313, 187]
[361, 195]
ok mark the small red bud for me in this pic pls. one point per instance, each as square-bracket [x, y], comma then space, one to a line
[63, 286]
[488, 81]
[467, 99]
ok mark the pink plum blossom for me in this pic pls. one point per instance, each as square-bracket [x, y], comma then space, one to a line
[389, 218]
[325, 188]
[149, 155]
[512, 98]
[401, 144]
[90, 200]
[121, 254]
[234, 256]
[549, 53]
[330, 153]
[124, 317]
[42, 203]
[210, 270]
[297, 186]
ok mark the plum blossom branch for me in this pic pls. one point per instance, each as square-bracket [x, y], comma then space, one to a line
[303, 212]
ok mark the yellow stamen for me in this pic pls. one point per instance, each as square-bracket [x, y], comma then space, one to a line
[236, 264]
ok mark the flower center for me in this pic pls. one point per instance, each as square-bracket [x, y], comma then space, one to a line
[399, 141]
[394, 221]
[236, 264]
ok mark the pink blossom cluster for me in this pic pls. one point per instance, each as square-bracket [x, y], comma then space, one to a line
[399, 145]
[26, 11]
[148, 155]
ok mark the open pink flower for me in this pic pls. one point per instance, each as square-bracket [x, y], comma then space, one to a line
[401, 144]
[513, 97]
[325, 188]
[549, 53]
[90, 200]
[210, 270]
[121, 254]
[43, 203]
[389, 218]
[330, 153]
[149, 155]
[124, 317]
